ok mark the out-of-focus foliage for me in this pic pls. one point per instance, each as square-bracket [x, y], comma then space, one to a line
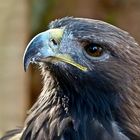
[41, 13]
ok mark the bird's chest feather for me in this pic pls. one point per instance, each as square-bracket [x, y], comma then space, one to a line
[64, 122]
[67, 111]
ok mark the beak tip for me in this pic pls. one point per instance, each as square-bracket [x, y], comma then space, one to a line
[25, 69]
[25, 66]
[26, 62]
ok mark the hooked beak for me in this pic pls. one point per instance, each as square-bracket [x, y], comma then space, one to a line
[41, 46]
[46, 45]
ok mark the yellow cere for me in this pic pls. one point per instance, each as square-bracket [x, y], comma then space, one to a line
[56, 33]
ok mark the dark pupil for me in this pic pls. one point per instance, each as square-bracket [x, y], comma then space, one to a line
[94, 50]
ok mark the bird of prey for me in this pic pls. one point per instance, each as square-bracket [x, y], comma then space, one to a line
[91, 91]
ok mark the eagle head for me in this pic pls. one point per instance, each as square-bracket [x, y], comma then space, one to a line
[96, 68]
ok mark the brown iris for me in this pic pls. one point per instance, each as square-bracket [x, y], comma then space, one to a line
[94, 50]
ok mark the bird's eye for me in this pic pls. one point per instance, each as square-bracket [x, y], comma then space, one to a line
[94, 50]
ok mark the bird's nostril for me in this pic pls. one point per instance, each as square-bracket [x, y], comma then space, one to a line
[54, 41]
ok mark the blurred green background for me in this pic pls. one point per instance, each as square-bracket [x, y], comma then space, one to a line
[20, 20]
